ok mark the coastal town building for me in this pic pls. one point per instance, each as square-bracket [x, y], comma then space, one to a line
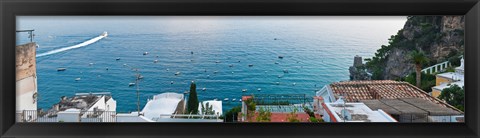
[170, 107]
[341, 111]
[281, 106]
[26, 81]
[399, 99]
[448, 79]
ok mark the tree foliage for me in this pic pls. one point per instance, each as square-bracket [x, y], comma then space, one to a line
[192, 104]
[263, 115]
[418, 58]
[455, 96]
[207, 109]
[232, 114]
[292, 116]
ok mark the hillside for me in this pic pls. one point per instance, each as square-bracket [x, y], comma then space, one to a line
[441, 38]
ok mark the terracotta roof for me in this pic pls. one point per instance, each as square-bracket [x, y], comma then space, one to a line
[355, 91]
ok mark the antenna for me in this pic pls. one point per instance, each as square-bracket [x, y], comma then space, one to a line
[137, 80]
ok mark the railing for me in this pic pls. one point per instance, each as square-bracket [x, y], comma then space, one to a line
[36, 116]
[437, 67]
[98, 116]
[412, 118]
[27, 116]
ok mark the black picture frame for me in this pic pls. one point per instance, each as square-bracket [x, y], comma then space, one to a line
[11, 8]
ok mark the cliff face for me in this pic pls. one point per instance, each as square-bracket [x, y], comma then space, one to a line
[439, 37]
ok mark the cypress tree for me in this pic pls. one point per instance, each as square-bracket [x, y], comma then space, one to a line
[192, 106]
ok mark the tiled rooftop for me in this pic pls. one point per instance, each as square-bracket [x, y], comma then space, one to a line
[355, 91]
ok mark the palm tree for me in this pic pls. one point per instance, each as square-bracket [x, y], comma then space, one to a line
[419, 58]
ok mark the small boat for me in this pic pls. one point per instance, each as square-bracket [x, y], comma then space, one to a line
[294, 84]
[217, 61]
[266, 72]
[171, 82]
[117, 59]
[155, 61]
[244, 90]
[259, 89]
[285, 71]
[104, 34]
[231, 65]
[280, 76]
[226, 99]
[208, 76]
[215, 72]
[191, 52]
[234, 99]
[276, 63]
[177, 73]
[215, 99]
[280, 57]
[106, 68]
[277, 83]
[124, 64]
[140, 77]
[232, 72]
[240, 100]
[205, 70]
[274, 38]
[146, 53]
[250, 65]
[77, 79]
[90, 64]
[61, 69]
[131, 84]
[186, 92]
[204, 89]
[239, 61]
[168, 69]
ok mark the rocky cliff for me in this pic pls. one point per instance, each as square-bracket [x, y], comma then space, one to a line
[439, 37]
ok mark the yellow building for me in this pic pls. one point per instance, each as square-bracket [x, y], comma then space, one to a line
[445, 80]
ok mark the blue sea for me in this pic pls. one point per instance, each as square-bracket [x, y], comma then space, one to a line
[316, 50]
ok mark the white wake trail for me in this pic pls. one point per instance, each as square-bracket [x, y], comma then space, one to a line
[86, 43]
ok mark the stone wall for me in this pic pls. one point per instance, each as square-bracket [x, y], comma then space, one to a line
[25, 62]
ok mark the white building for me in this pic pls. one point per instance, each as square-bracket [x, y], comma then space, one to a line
[448, 79]
[83, 107]
[340, 111]
[170, 107]
[26, 82]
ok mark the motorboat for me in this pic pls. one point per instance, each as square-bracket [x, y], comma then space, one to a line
[61, 69]
[139, 76]
[77, 79]
[131, 84]
[117, 58]
[276, 63]
[244, 90]
[280, 57]
[215, 72]
[204, 89]
[294, 84]
[277, 83]
[240, 100]
[90, 64]
[234, 99]
[250, 65]
[285, 71]
[177, 73]
[171, 82]
[104, 34]
[145, 53]
[226, 99]
[217, 61]
[155, 61]
[231, 65]
[259, 89]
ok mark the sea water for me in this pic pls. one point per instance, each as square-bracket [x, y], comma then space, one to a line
[215, 52]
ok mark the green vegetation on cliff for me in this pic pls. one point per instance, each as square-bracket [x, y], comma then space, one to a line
[432, 35]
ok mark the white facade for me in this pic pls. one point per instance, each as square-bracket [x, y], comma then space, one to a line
[26, 94]
[216, 106]
[354, 112]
